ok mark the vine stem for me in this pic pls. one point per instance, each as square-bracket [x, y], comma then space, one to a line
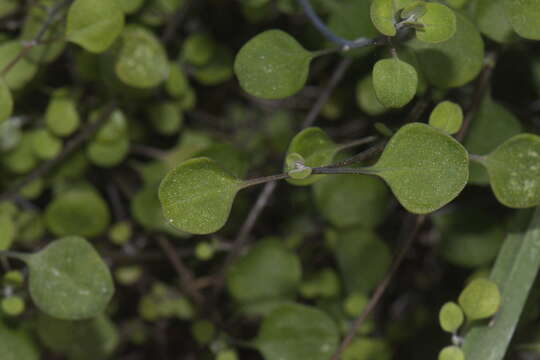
[70, 147]
[409, 230]
[14, 255]
[358, 142]
[28, 45]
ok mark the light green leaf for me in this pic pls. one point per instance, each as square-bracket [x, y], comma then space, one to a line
[229, 157]
[490, 127]
[296, 331]
[454, 62]
[94, 24]
[46, 146]
[447, 116]
[272, 65]
[350, 200]
[367, 348]
[491, 20]
[384, 12]
[451, 353]
[198, 49]
[69, 280]
[316, 148]
[197, 196]
[142, 61]
[108, 154]
[363, 259]
[514, 171]
[451, 317]
[61, 116]
[395, 82]
[523, 15]
[130, 6]
[269, 271]
[366, 99]
[6, 101]
[480, 299]
[438, 23]
[22, 72]
[425, 168]
[79, 212]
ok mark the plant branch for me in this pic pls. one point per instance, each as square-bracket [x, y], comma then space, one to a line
[70, 147]
[356, 143]
[338, 74]
[359, 157]
[342, 170]
[409, 230]
[263, 180]
[28, 45]
[187, 279]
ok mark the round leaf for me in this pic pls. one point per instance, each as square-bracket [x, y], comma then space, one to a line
[451, 317]
[94, 24]
[454, 62]
[69, 280]
[363, 259]
[314, 333]
[368, 349]
[77, 212]
[523, 15]
[108, 154]
[268, 271]
[366, 99]
[425, 168]
[383, 14]
[315, 147]
[438, 23]
[491, 20]
[61, 117]
[197, 196]
[22, 72]
[480, 299]
[6, 101]
[451, 353]
[447, 116]
[514, 171]
[16, 345]
[142, 61]
[350, 200]
[272, 65]
[395, 82]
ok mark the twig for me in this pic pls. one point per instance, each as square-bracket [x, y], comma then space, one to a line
[70, 147]
[187, 280]
[359, 157]
[174, 22]
[325, 95]
[28, 45]
[409, 230]
[480, 91]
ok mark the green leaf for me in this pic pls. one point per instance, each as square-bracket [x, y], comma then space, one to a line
[351, 200]
[366, 99]
[481, 299]
[451, 353]
[451, 317]
[296, 163]
[108, 154]
[425, 168]
[61, 116]
[523, 15]
[315, 335]
[269, 271]
[46, 145]
[141, 61]
[22, 72]
[454, 62]
[515, 272]
[17, 345]
[491, 20]
[8, 231]
[79, 212]
[438, 24]
[395, 82]
[316, 148]
[447, 116]
[365, 348]
[92, 339]
[384, 12]
[363, 259]
[272, 65]
[6, 101]
[197, 196]
[514, 171]
[230, 157]
[198, 49]
[69, 280]
[490, 127]
[94, 24]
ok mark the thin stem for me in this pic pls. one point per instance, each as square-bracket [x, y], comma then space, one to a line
[14, 255]
[356, 143]
[323, 29]
[340, 170]
[263, 180]
[338, 74]
[409, 230]
[359, 157]
[477, 158]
